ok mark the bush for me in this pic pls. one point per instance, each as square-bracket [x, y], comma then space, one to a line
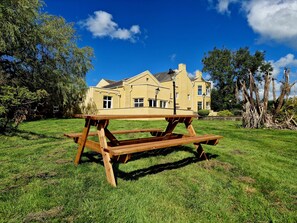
[237, 112]
[225, 113]
[203, 112]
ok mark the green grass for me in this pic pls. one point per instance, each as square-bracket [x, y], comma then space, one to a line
[251, 177]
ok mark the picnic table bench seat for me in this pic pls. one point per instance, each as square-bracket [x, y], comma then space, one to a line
[164, 143]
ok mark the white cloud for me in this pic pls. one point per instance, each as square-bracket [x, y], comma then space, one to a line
[273, 19]
[288, 61]
[101, 25]
[223, 5]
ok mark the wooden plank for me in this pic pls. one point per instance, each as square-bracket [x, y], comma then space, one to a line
[135, 131]
[76, 135]
[146, 140]
[106, 156]
[94, 146]
[141, 147]
[81, 146]
[109, 117]
[198, 146]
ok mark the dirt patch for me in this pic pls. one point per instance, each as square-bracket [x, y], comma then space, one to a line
[250, 190]
[46, 175]
[246, 179]
[26, 178]
[212, 164]
[43, 216]
[63, 161]
[238, 152]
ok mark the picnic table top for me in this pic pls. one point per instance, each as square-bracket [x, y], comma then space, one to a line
[108, 117]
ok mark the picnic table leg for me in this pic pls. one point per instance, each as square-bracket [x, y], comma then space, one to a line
[172, 123]
[192, 132]
[106, 157]
[84, 137]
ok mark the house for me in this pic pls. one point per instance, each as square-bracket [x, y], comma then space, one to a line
[146, 93]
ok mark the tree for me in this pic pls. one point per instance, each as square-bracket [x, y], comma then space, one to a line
[256, 113]
[218, 64]
[227, 68]
[39, 53]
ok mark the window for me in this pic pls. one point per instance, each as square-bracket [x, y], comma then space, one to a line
[207, 105]
[107, 102]
[138, 102]
[163, 104]
[152, 103]
[199, 89]
[208, 91]
[199, 105]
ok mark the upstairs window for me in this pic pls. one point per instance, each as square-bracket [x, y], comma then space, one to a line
[199, 89]
[107, 102]
[138, 102]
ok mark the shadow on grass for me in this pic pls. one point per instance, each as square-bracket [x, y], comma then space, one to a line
[28, 135]
[136, 174]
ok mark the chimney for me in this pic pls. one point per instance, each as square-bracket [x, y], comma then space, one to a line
[181, 67]
[198, 75]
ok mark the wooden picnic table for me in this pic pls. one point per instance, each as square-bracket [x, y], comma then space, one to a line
[114, 150]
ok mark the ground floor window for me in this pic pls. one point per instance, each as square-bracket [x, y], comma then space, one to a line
[199, 105]
[107, 102]
[163, 104]
[138, 102]
[152, 103]
[207, 105]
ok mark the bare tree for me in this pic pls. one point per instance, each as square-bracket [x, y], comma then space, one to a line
[256, 113]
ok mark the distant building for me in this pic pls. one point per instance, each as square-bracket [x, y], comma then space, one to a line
[146, 93]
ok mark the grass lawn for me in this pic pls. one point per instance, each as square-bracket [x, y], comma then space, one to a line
[251, 177]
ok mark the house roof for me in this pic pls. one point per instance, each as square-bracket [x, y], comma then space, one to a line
[110, 81]
[163, 76]
[114, 84]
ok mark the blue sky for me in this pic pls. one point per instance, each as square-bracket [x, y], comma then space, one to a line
[129, 37]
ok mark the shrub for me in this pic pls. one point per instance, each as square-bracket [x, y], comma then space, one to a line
[225, 113]
[237, 112]
[203, 112]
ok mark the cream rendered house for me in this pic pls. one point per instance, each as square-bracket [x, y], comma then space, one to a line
[146, 93]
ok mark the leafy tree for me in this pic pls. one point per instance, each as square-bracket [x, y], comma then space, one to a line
[228, 68]
[39, 53]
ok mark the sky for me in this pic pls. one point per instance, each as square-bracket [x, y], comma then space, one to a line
[131, 36]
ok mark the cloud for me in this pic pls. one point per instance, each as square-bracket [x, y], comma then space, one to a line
[273, 19]
[172, 57]
[101, 25]
[288, 61]
[222, 6]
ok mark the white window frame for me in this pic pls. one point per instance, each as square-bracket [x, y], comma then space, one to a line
[107, 102]
[138, 102]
